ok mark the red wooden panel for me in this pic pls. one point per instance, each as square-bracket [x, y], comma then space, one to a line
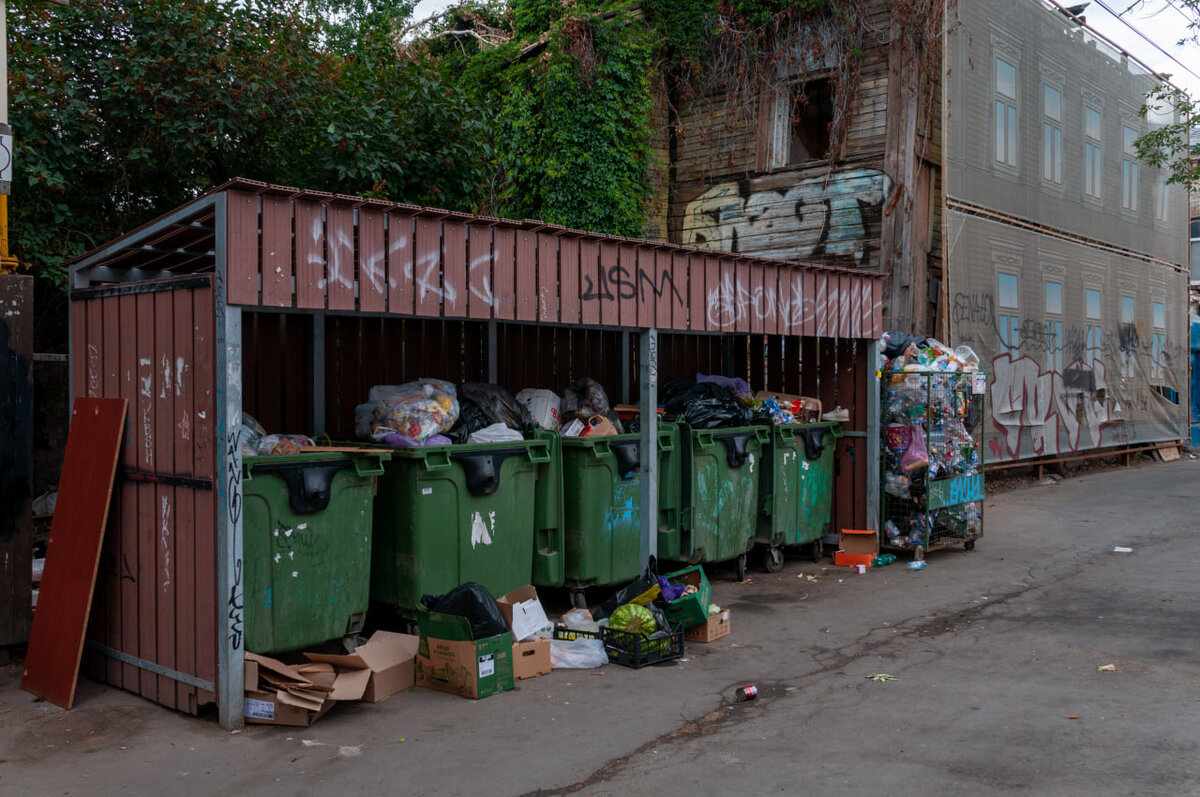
[185, 498]
[742, 299]
[821, 305]
[427, 268]
[760, 305]
[856, 307]
[547, 278]
[589, 276]
[204, 457]
[876, 308]
[504, 248]
[808, 310]
[479, 272]
[774, 323]
[648, 280]
[166, 514]
[110, 573]
[625, 286]
[843, 305]
[399, 265]
[79, 358]
[729, 295]
[131, 451]
[95, 341]
[276, 251]
[794, 292]
[339, 248]
[454, 269]
[241, 252]
[606, 288]
[372, 262]
[73, 550]
[713, 310]
[681, 276]
[526, 265]
[310, 254]
[568, 280]
[147, 510]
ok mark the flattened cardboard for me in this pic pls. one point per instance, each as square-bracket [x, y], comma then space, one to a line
[376, 670]
[524, 613]
[856, 547]
[716, 627]
[531, 659]
[449, 660]
[280, 694]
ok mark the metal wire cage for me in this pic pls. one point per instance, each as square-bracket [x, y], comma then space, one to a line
[932, 489]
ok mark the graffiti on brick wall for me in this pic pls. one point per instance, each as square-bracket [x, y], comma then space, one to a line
[1054, 407]
[817, 217]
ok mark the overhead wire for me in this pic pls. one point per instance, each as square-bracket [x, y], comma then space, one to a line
[1152, 43]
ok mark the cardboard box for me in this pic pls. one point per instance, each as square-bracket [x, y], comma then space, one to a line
[280, 694]
[524, 614]
[449, 660]
[716, 627]
[856, 548]
[531, 658]
[691, 609]
[376, 670]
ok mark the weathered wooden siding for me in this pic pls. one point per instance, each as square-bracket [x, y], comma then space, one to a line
[155, 597]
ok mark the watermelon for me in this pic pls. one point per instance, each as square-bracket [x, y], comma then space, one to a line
[634, 618]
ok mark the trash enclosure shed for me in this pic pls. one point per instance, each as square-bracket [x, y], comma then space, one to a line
[291, 304]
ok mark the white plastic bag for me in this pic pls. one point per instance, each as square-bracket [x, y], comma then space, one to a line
[544, 405]
[496, 433]
[577, 654]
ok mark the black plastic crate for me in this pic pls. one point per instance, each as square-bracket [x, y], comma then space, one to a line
[632, 649]
[562, 632]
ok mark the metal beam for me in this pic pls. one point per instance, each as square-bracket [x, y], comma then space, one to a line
[648, 400]
[317, 383]
[153, 228]
[873, 451]
[230, 589]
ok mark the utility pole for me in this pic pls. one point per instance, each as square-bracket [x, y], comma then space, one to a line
[8, 263]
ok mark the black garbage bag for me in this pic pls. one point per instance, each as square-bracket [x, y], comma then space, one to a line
[675, 388]
[471, 418]
[472, 601]
[498, 405]
[895, 342]
[708, 406]
[625, 594]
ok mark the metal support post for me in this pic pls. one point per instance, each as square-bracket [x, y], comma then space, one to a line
[648, 373]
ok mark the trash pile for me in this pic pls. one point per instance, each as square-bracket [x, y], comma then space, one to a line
[255, 442]
[932, 413]
[899, 351]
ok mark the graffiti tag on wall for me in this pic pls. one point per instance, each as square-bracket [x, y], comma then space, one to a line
[1045, 403]
[819, 216]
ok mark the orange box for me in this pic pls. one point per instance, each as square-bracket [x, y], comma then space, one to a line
[856, 548]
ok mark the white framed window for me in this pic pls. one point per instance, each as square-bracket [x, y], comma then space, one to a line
[1129, 169]
[1161, 198]
[1054, 326]
[1008, 300]
[1093, 154]
[1006, 113]
[1052, 136]
[1129, 336]
[1094, 331]
[1158, 341]
[1195, 236]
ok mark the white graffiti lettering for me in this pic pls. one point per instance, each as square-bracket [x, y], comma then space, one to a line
[1053, 407]
[819, 216]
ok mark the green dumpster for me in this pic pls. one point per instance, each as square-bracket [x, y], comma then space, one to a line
[797, 489]
[721, 473]
[306, 543]
[602, 507]
[488, 512]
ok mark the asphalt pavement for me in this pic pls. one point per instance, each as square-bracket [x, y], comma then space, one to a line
[1042, 662]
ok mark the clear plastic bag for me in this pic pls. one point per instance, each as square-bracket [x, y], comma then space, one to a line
[496, 433]
[577, 654]
[417, 409]
[545, 407]
[915, 457]
[586, 398]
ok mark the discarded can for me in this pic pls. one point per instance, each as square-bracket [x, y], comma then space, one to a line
[748, 692]
[860, 569]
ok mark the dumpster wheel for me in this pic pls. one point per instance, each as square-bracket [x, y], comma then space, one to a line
[818, 549]
[579, 599]
[773, 559]
[741, 567]
[969, 545]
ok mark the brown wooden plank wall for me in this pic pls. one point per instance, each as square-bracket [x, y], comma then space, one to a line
[155, 593]
[275, 371]
[442, 265]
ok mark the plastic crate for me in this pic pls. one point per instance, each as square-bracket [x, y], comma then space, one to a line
[632, 649]
[569, 634]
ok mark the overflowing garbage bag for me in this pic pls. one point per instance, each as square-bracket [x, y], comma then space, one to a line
[417, 410]
[544, 406]
[900, 351]
[474, 602]
[586, 401]
[498, 405]
[256, 442]
[708, 405]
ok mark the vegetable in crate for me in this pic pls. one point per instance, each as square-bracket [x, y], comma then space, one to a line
[634, 618]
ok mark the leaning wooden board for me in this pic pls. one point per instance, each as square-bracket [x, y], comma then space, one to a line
[73, 551]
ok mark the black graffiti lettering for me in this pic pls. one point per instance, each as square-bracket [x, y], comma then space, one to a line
[236, 605]
[974, 308]
[645, 278]
[627, 286]
[233, 440]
